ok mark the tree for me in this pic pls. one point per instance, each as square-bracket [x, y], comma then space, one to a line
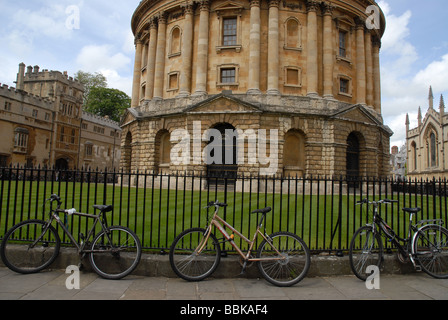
[90, 80]
[107, 102]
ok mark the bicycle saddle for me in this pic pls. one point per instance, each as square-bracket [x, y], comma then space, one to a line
[103, 208]
[265, 210]
[411, 210]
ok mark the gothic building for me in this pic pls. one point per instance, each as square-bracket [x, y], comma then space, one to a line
[42, 124]
[426, 144]
[302, 76]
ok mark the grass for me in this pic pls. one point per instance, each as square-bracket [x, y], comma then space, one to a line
[325, 222]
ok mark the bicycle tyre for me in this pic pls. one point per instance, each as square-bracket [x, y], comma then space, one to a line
[184, 260]
[17, 257]
[366, 249]
[118, 260]
[288, 272]
[430, 248]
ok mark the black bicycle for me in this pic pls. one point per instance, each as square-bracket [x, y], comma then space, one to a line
[426, 244]
[34, 245]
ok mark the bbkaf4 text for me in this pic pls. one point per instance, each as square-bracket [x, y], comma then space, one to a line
[229, 309]
[245, 309]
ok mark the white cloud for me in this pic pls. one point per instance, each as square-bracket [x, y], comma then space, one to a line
[94, 58]
[49, 21]
[103, 59]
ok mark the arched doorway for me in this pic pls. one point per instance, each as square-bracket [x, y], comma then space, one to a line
[353, 152]
[222, 166]
[61, 164]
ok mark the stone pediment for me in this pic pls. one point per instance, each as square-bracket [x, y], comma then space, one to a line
[223, 104]
[228, 5]
[358, 113]
[130, 115]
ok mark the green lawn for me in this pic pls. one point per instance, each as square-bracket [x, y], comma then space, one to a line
[158, 216]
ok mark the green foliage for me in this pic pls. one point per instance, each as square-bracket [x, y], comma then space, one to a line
[107, 102]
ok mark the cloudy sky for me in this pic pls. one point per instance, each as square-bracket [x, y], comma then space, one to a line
[48, 33]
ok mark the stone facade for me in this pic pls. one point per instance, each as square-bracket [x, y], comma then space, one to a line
[426, 144]
[42, 124]
[306, 70]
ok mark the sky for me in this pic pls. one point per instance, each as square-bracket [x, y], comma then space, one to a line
[95, 36]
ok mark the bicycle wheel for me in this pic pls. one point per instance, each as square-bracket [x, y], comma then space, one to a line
[290, 266]
[430, 248]
[366, 249]
[194, 255]
[115, 254]
[30, 247]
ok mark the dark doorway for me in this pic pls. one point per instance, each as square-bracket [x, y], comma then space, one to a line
[61, 164]
[222, 165]
[352, 157]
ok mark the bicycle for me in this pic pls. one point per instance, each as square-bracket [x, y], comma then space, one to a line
[33, 245]
[282, 258]
[426, 244]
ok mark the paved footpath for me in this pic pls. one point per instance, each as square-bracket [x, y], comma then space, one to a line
[51, 285]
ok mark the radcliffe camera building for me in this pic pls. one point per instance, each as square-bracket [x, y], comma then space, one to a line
[42, 124]
[309, 69]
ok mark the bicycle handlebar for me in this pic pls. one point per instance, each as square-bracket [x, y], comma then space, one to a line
[216, 204]
[387, 201]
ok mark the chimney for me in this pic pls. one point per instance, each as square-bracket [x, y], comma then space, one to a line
[20, 77]
[36, 69]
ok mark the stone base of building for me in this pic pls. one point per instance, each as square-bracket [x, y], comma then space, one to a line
[298, 135]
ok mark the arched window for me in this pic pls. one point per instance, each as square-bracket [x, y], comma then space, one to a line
[413, 165]
[433, 150]
[163, 151]
[175, 41]
[293, 34]
[294, 157]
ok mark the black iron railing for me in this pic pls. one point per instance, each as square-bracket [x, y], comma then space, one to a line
[321, 210]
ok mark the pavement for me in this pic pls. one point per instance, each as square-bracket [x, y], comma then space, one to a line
[52, 285]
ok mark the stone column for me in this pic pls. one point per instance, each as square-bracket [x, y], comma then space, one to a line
[312, 67]
[369, 68]
[160, 58]
[360, 63]
[376, 74]
[202, 56]
[187, 52]
[137, 72]
[151, 66]
[273, 49]
[255, 47]
[328, 53]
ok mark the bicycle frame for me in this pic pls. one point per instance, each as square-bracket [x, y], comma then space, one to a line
[221, 224]
[413, 230]
[100, 218]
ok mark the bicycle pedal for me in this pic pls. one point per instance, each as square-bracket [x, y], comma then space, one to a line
[418, 268]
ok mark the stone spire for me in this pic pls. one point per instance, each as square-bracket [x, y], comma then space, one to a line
[431, 98]
[419, 116]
